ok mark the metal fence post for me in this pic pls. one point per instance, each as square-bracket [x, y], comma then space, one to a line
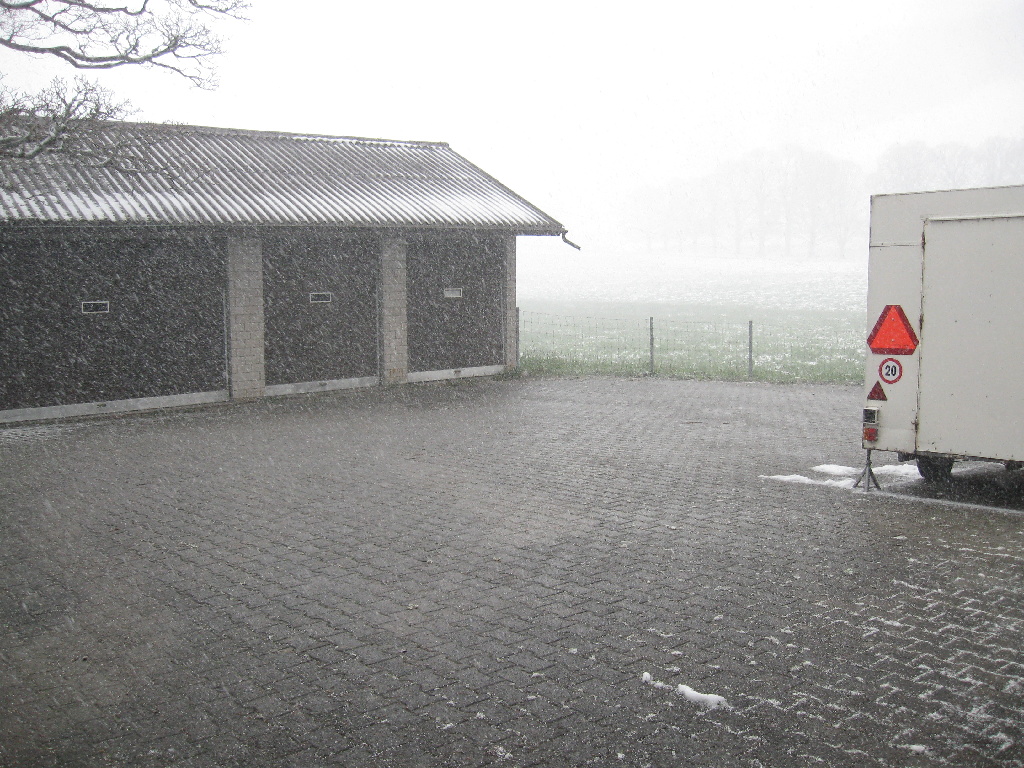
[652, 346]
[750, 349]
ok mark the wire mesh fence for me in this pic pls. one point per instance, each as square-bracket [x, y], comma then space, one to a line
[800, 351]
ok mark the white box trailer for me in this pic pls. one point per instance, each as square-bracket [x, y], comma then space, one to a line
[944, 377]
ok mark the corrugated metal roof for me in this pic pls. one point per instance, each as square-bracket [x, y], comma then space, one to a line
[189, 175]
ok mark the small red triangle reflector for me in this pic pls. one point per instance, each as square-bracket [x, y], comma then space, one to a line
[877, 393]
[893, 334]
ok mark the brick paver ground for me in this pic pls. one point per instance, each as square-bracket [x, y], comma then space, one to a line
[516, 573]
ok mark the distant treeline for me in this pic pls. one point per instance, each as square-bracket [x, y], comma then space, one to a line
[795, 204]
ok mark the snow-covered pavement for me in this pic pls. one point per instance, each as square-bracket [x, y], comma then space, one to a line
[553, 572]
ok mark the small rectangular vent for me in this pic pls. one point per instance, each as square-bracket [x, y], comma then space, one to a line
[95, 307]
[453, 293]
[324, 297]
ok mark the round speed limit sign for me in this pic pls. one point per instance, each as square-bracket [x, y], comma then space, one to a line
[891, 370]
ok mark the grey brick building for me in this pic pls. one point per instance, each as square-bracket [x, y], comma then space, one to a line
[178, 264]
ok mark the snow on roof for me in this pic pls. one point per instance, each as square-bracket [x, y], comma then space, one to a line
[191, 175]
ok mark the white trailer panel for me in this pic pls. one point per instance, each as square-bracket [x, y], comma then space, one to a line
[971, 391]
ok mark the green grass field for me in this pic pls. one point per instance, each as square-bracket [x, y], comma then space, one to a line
[692, 340]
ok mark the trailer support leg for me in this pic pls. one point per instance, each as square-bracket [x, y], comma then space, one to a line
[868, 475]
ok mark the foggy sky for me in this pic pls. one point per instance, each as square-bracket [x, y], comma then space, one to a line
[584, 110]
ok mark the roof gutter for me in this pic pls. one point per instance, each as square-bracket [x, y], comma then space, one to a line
[567, 241]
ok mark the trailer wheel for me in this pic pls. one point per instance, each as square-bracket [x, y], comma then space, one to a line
[935, 469]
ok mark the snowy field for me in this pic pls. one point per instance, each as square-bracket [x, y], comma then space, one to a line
[806, 321]
[590, 312]
[741, 286]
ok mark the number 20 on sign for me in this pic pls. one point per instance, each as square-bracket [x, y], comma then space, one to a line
[890, 370]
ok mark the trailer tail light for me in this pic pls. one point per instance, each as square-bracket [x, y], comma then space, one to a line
[870, 425]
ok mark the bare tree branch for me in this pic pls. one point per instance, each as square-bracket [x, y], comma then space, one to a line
[170, 34]
[57, 119]
[175, 35]
[78, 123]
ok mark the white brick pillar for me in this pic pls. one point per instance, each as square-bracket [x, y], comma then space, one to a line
[511, 310]
[245, 318]
[394, 325]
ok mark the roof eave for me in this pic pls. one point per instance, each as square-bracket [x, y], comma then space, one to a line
[541, 231]
[553, 230]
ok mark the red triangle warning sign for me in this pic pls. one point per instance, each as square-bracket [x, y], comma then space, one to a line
[877, 393]
[893, 334]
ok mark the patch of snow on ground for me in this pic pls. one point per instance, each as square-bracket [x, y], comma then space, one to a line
[919, 748]
[848, 475]
[501, 753]
[846, 482]
[709, 700]
[835, 469]
[886, 470]
[908, 471]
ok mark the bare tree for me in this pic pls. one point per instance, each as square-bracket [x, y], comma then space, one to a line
[55, 119]
[174, 35]
[171, 34]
